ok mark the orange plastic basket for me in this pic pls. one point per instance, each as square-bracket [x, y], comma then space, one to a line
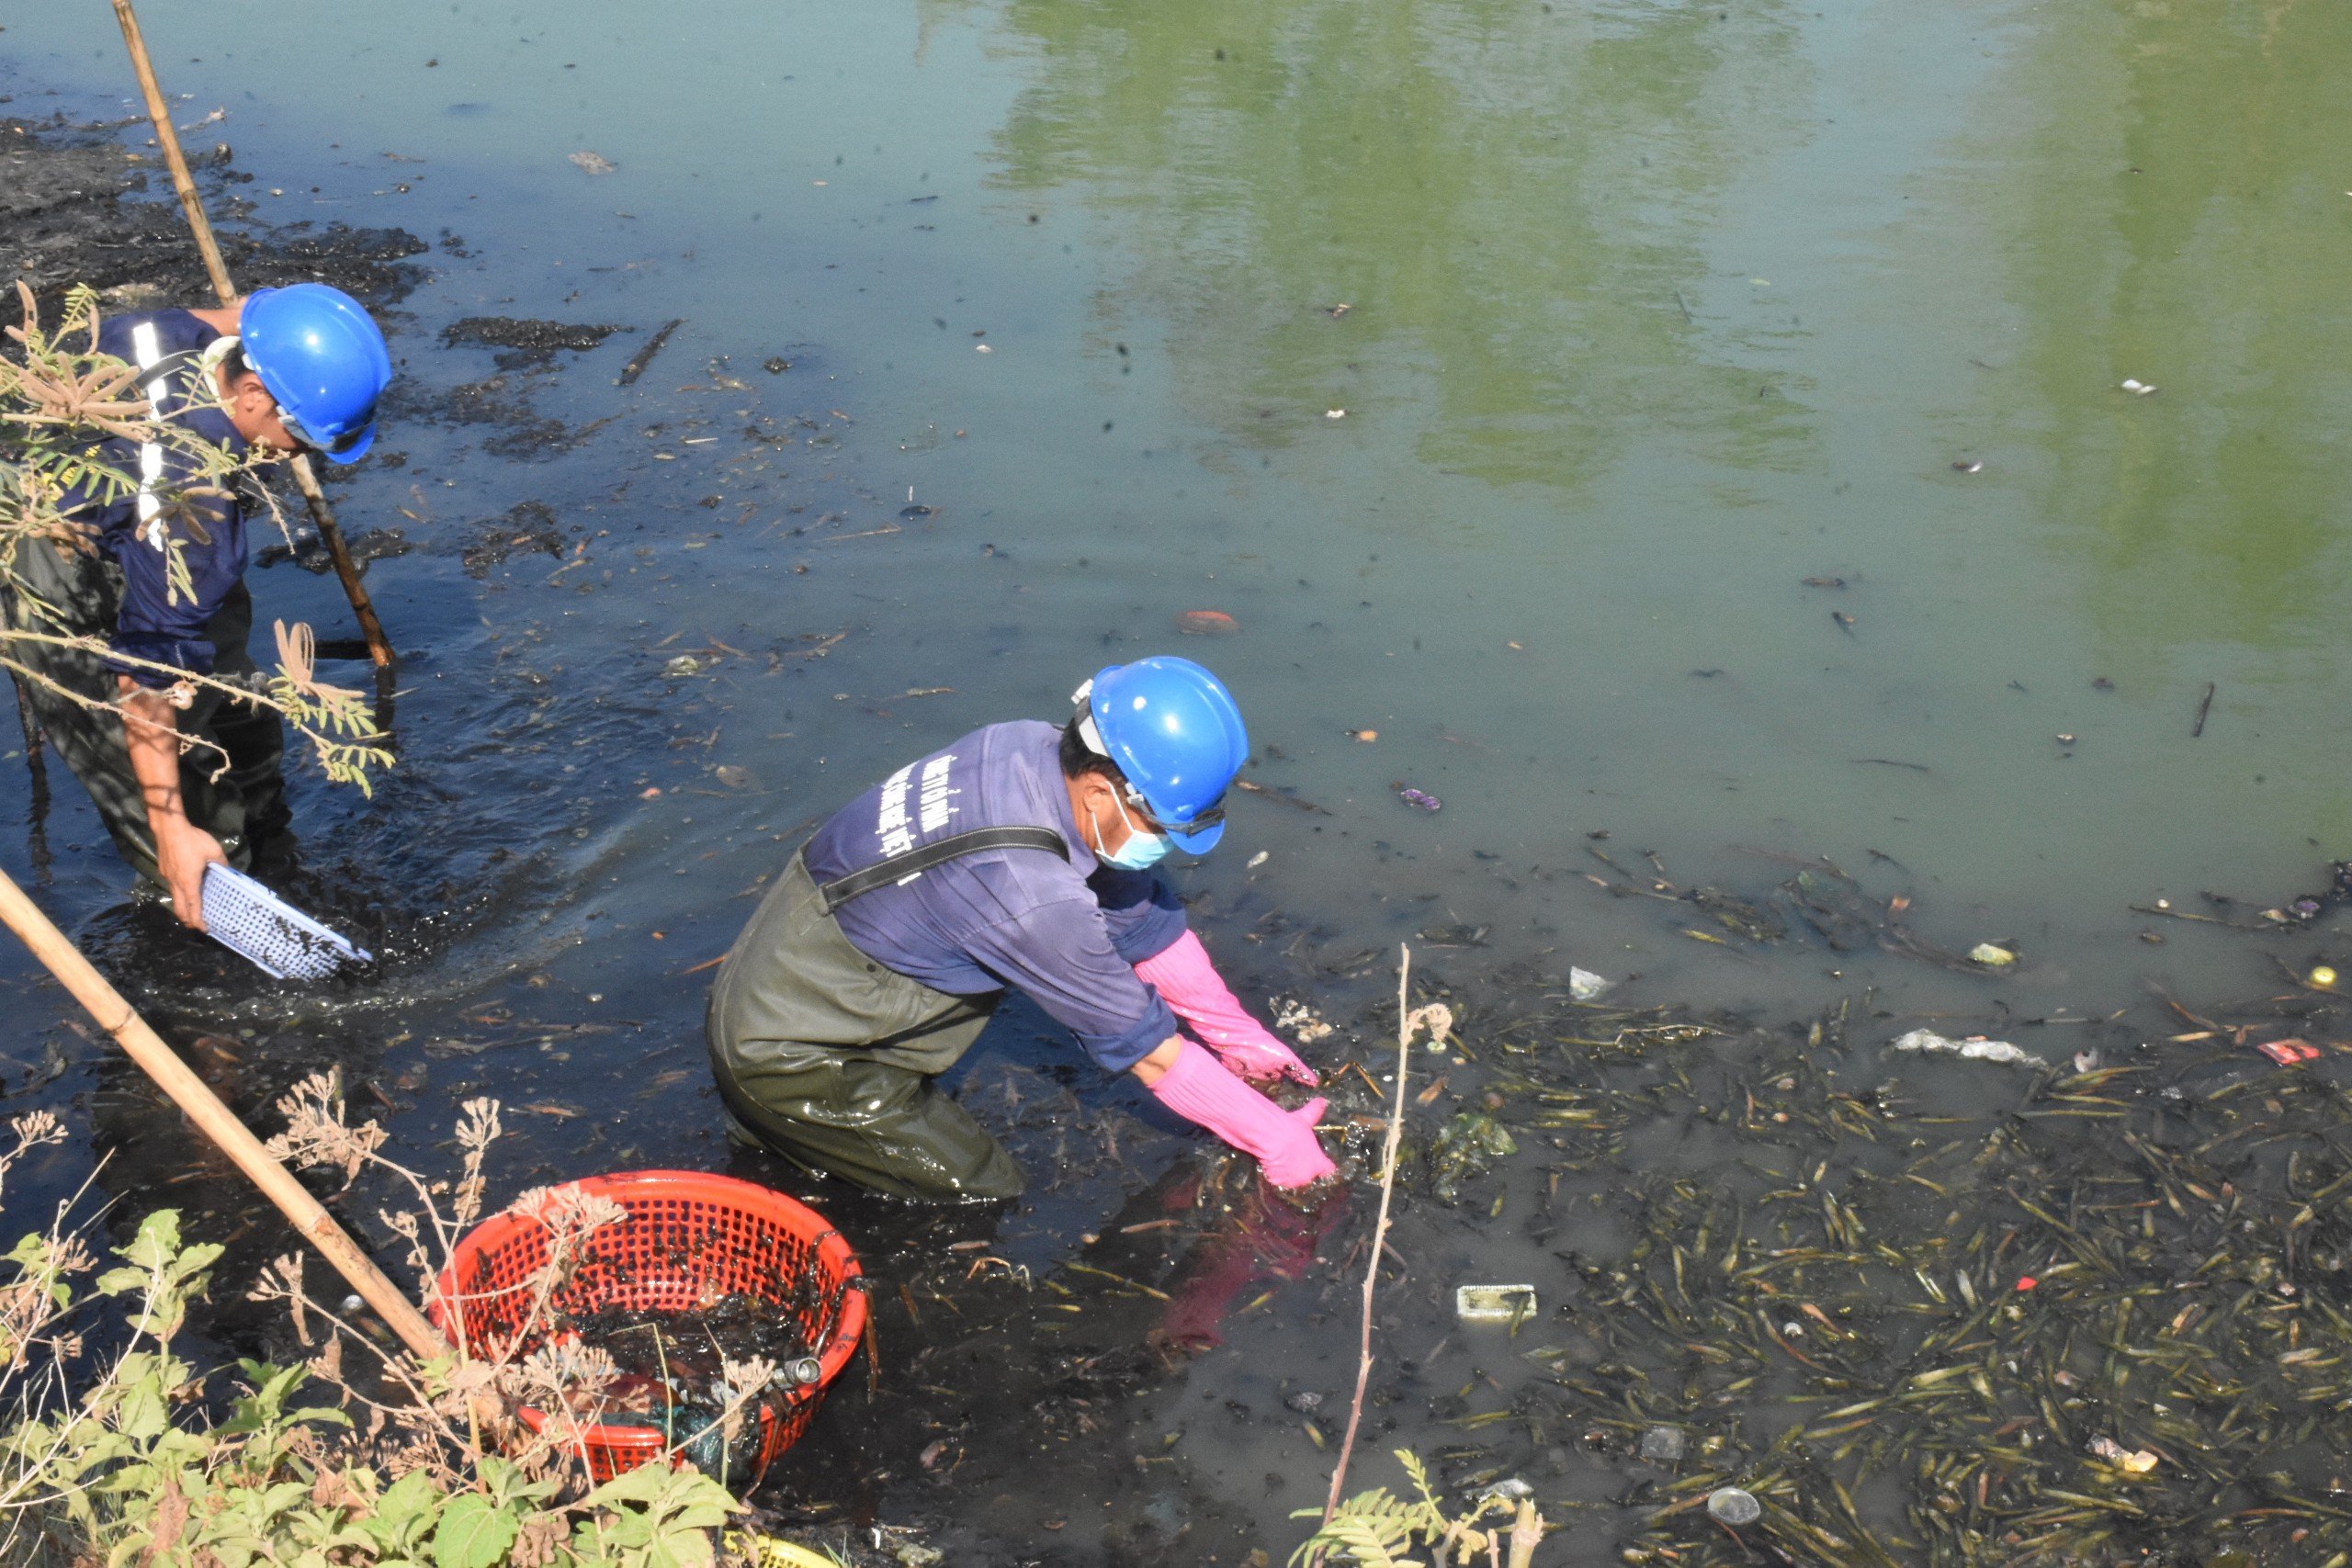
[688, 1235]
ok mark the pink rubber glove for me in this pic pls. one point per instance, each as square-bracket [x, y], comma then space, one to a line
[1199, 1089]
[1188, 983]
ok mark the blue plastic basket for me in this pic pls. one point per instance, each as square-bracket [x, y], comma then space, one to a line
[255, 924]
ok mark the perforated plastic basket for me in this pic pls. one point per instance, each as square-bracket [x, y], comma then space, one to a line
[279, 938]
[688, 1236]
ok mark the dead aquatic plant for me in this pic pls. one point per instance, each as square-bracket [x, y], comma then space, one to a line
[1373, 1530]
[1438, 1020]
[61, 400]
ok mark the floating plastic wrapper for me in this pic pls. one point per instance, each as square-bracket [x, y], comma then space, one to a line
[256, 924]
[1494, 1304]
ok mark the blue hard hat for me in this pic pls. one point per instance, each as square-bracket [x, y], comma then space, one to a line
[323, 359]
[1173, 730]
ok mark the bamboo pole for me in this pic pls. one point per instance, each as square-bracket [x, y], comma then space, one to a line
[216, 1120]
[379, 647]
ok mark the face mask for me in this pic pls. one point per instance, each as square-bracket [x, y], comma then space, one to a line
[1141, 851]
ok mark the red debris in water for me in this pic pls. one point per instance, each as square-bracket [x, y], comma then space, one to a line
[2290, 1052]
[2027, 1281]
[1206, 623]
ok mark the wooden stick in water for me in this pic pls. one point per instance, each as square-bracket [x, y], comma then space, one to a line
[216, 1120]
[379, 647]
[1379, 1229]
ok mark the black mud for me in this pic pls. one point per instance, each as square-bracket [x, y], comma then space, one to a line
[78, 206]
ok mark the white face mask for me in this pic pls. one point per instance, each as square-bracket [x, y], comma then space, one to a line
[1141, 851]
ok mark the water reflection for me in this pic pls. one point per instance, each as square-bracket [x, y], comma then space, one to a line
[1512, 201]
[2184, 227]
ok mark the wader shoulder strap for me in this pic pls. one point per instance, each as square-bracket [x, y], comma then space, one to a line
[914, 862]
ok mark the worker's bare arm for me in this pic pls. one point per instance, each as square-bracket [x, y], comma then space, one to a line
[1163, 1056]
[151, 732]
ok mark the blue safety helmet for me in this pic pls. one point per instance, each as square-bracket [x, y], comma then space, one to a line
[1173, 730]
[324, 361]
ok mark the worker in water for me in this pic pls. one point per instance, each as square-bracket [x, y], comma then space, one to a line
[183, 773]
[1019, 855]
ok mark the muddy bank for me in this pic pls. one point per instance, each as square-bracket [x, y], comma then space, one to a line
[88, 204]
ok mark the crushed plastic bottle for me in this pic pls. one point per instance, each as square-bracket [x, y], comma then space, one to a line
[1730, 1506]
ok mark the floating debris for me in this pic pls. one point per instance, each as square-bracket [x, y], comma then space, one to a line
[1928, 1041]
[2138, 387]
[1420, 800]
[1261, 858]
[913, 509]
[1366, 735]
[1968, 466]
[1730, 1506]
[1584, 986]
[592, 163]
[1991, 955]
[1206, 623]
[2131, 1461]
[683, 664]
[1662, 1445]
[1494, 1304]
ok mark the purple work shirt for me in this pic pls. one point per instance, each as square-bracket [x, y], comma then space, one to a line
[1066, 933]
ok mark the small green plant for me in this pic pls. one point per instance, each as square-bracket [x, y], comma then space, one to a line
[134, 1456]
[1372, 1529]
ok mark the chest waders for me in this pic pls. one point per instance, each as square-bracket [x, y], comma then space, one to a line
[828, 1059]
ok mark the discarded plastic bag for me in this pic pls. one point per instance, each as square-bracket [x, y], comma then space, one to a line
[1928, 1041]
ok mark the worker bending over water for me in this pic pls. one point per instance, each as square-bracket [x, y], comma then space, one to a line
[1018, 856]
[285, 369]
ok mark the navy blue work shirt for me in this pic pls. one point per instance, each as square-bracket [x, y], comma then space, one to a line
[1066, 933]
[156, 621]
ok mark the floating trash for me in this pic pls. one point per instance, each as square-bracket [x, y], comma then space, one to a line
[1730, 1506]
[913, 509]
[683, 664]
[1494, 1304]
[2131, 1461]
[1366, 735]
[2322, 978]
[1662, 1445]
[2290, 1052]
[2136, 387]
[1584, 986]
[1305, 1402]
[1928, 1041]
[1420, 800]
[1993, 955]
[592, 163]
[1206, 623]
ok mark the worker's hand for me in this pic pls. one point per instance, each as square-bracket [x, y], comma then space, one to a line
[1198, 1087]
[182, 851]
[1189, 984]
[1259, 1054]
[1297, 1159]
